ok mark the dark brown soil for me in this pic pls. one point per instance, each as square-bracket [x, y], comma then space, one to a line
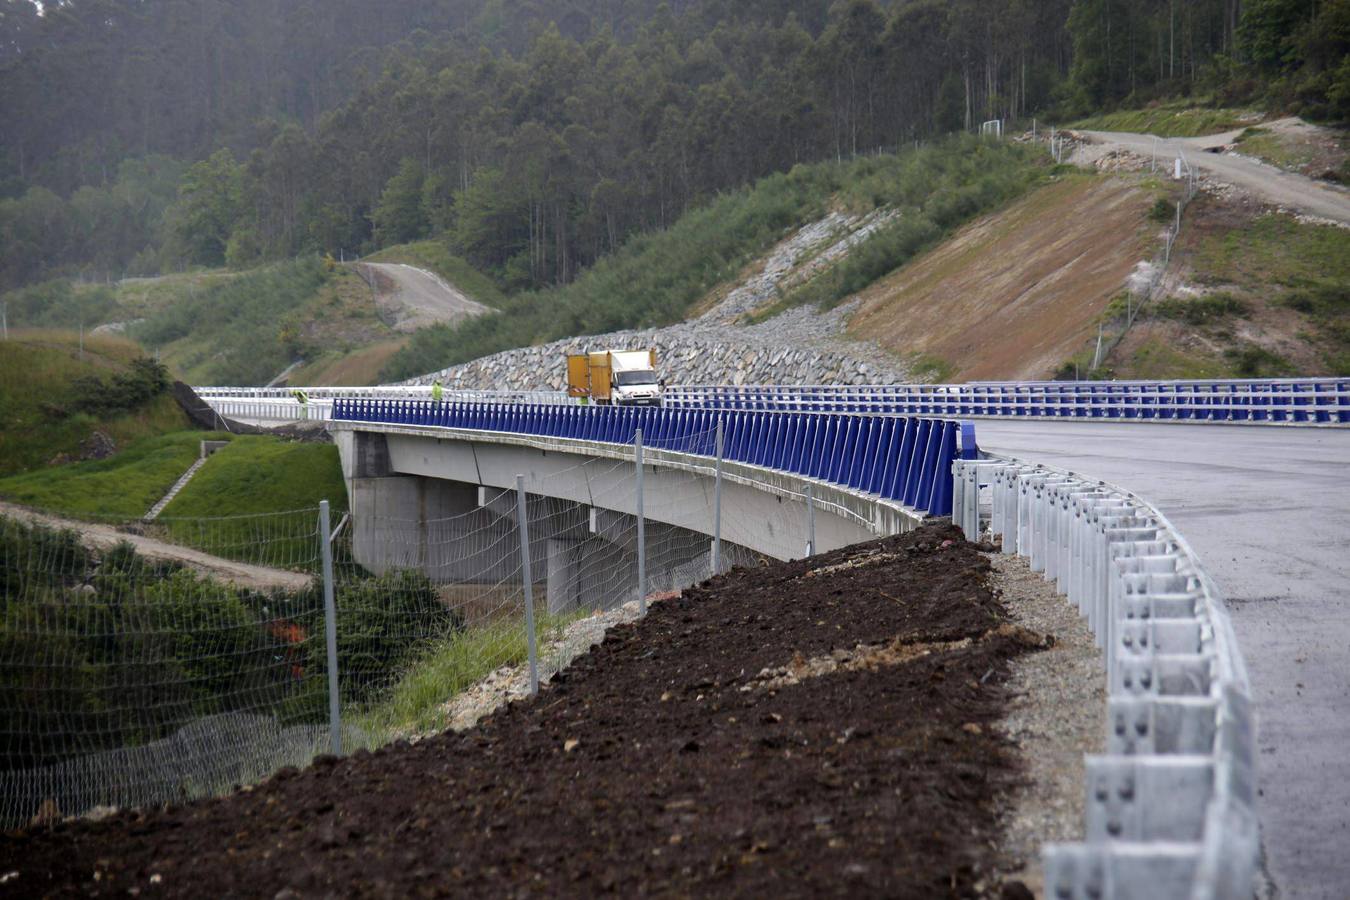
[662, 763]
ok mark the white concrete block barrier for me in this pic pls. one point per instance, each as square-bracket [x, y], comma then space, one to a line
[1170, 809]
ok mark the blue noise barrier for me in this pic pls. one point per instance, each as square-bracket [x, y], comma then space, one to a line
[902, 458]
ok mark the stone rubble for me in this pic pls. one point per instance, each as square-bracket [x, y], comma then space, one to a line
[801, 345]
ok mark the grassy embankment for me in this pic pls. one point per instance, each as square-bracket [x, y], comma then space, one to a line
[658, 277]
[46, 398]
[1271, 297]
[1317, 152]
[253, 500]
[1180, 119]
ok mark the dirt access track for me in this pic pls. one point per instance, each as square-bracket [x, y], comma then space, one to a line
[106, 536]
[409, 298]
[1265, 182]
[822, 727]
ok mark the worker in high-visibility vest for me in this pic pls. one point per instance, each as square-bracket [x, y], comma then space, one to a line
[303, 399]
[436, 391]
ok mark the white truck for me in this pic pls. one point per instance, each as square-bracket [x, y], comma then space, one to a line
[621, 377]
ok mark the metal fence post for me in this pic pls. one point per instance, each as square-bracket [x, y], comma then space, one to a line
[330, 630]
[810, 522]
[717, 506]
[641, 527]
[529, 583]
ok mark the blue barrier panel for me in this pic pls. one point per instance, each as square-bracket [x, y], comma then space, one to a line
[820, 446]
[876, 462]
[941, 502]
[893, 477]
[860, 470]
[800, 457]
[773, 446]
[735, 442]
[830, 465]
[928, 466]
[761, 440]
[914, 464]
[848, 436]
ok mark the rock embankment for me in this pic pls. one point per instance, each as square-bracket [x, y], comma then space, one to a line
[799, 346]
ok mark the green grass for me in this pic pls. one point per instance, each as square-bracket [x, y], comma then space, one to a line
[415, 704]
[255, 501]
[435, 256]
[1273, 254]
[40, 394]
[1265, 145]
[1169, 120]
[241, 330]
[657, 278]
[1155, 359]
[1206, 309]
[262, 474]
[123, 486]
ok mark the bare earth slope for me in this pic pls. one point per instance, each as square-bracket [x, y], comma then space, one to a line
[410, 298]
[1286, 189]
[1015, 293]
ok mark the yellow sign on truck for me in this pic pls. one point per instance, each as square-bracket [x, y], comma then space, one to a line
[621, 377]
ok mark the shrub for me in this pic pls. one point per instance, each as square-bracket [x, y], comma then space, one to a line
[145, 380]
[381, 623]
[1203, 310]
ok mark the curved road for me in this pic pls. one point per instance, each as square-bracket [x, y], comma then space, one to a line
[412, 298]
[1297, 192]
[1268, 511]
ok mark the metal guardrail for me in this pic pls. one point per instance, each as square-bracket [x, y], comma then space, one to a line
[381, 392]
[1295, 401]
[1171, 804]
[1291, 401]
[906, 459]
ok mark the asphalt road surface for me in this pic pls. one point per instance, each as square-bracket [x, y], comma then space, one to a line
[1268, 511]
[1287, 189]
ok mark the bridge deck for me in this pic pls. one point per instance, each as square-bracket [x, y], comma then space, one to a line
[1267, 511]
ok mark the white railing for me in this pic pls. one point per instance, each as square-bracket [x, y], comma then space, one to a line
[1170, 804]
[1302, 401]
[284, 405]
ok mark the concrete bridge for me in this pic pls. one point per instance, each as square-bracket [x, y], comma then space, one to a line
[432, 497]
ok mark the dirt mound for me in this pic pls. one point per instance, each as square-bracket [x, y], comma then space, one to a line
[1016, 293]
[646, 768]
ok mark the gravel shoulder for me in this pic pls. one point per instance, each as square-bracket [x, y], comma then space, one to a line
[1057, 714]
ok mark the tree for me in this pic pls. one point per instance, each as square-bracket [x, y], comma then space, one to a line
[400, 216]
[211, 202]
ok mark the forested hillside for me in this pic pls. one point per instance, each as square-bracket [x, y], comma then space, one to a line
[536, 135]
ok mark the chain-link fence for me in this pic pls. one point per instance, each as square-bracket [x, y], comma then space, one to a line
[139, 675]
